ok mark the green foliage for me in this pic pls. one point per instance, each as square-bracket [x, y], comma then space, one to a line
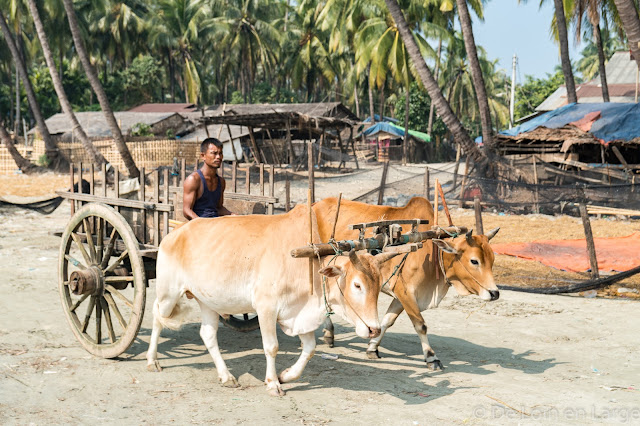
[43, 161]
[141, 129]
[419, 104]
[264, 93]
[534, 91]
[142, 80]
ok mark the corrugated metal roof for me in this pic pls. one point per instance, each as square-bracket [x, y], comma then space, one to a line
[313, 109]
[621, 69]
[164, 107]
[95, 124]
[218, 131]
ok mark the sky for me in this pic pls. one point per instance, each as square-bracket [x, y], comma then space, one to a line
[522, 29]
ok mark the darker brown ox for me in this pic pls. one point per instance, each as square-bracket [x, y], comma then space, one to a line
[467, 261]
[237, 264]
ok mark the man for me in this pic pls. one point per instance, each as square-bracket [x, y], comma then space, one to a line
[203, 190]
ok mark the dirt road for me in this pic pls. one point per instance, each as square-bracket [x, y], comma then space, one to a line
[521, 359]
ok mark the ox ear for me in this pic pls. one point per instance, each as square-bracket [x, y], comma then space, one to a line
[492, 233]
[383, 257]
[469, 236]
[445, 246]
[332, 271]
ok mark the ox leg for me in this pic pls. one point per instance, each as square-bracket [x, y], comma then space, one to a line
[411, 306]
[327, 330]
[209, 334]
[267, 322]
[163, 308]
[395, 309]
[308, 349]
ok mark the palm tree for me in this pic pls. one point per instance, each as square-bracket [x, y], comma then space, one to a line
[430, 83]
[476, 73]
[23, 164]
[563, 40]
[57, 160]
[631, 24]
[95, 155]
[589, 63]
[92, 76]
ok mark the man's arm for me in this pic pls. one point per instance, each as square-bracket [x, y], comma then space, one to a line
[222, 210]
[189, 196]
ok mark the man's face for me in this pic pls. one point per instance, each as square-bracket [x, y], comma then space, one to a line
[212, 156]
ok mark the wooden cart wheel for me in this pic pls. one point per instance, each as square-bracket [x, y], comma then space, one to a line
[102, 280]
[243, 322]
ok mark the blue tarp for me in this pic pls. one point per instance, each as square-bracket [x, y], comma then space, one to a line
[395, 130]
[618, 121]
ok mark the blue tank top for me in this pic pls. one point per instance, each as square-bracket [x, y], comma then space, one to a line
[207, 204]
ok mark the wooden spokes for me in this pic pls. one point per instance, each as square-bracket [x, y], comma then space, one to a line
[102, 281]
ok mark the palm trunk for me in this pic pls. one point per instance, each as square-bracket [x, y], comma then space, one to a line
[96, 156]
[407, 104]
[442, 106]
[16, 118]
[23, 164]
[437, 72]
[382, 102]
[371, 108]
[563, 39]
[601, 68]
[57, 161]
[99, 91]
[631, 24]
[476, 74]
[357, 101]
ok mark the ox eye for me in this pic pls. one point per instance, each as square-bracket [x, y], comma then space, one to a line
[475, 262]
[357, 285]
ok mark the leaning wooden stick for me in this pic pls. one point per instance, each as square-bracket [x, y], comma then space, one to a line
[335, 221]
[444, 203]
[435, 251]
[310, 240]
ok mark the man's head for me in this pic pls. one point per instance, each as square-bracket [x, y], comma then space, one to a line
[211, 152]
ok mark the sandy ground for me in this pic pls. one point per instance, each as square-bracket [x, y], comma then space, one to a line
[524, 358]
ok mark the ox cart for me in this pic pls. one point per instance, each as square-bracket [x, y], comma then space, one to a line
[109, 248]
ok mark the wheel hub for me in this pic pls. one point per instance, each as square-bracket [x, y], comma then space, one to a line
[87, 281]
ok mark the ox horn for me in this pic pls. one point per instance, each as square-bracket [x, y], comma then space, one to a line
[492, 233]
[353, 257]
[469, 236]
[383, 257]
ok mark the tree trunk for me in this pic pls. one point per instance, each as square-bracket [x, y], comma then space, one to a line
[601, 59]
[631, 24]
[407, 104]
[96, 156]
[563, 39]
[442, 106]
[56, 160]
[371, 108]
[99, 91]
[437, 72]
[23, 164]
[16, 118]
[357, 101]
[382, 102]
[476, 74]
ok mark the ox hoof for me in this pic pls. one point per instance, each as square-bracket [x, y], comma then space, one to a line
[373, 354]
[328, 341]
[154, 367]
[275, 389]
[435, 365]
[230, 382]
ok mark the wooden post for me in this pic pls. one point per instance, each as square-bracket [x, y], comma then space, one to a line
[427, 189]
[276, 156]
[312, 182]
[536, 207]
[92, 182]
[478, 209]
[464, 181]
[383, 182]
[80, 179]
[353, 146]
[310, 240]
[287, 192]
[591, 248]
[143, 211]
[455, 170]
[289, 143]
[116, 177]
[434, 248]
[272, 177]
[247, 179]
[261, 179]
[165, 215]
[444, 204]
[72, 190]
[183, 170]
[156, 214]
[233, 147]
[234, 176]
[320, 148]
[104, 179]
[257, 153]
[335, 221]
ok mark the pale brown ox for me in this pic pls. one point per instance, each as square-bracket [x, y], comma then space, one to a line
[237, 264]
[467, 262]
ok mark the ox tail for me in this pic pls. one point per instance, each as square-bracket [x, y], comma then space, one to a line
[178, 315]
